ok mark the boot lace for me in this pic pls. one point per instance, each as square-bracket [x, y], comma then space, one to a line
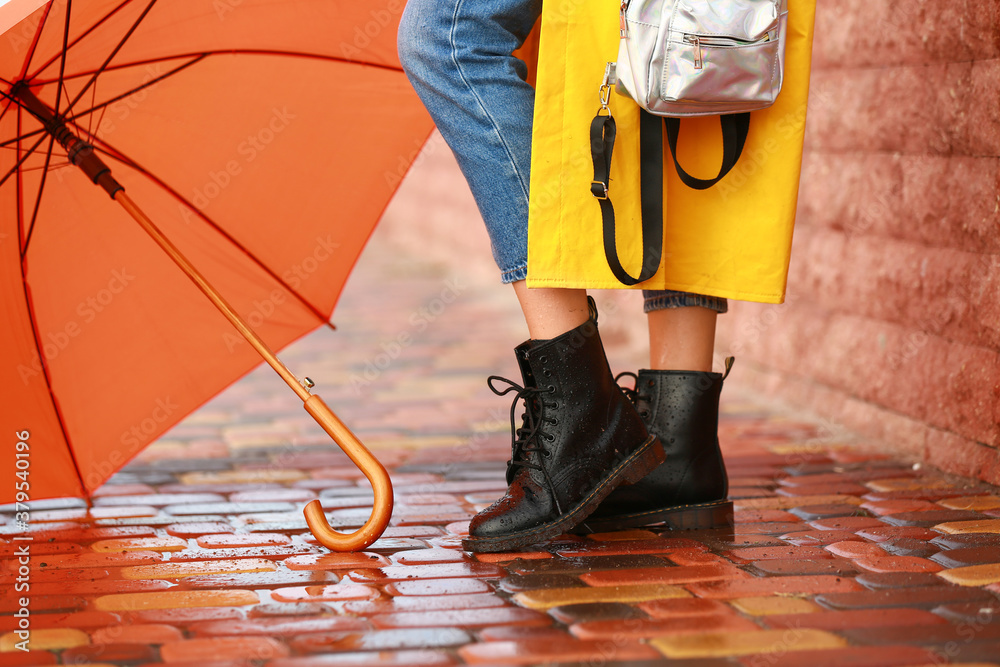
[633, 394]
[531, 436]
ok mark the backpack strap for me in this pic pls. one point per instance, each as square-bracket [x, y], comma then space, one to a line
[603, 130]
[735, 128]
[602, 143]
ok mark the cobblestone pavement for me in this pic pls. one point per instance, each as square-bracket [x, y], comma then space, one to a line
[197, 552]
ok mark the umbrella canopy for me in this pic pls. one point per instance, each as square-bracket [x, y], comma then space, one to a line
[263, 137]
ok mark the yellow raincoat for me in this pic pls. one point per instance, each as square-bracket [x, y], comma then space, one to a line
[732, 240]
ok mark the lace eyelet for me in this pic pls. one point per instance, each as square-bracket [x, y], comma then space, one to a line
[552, 389]
[543, 359]
[547, 373]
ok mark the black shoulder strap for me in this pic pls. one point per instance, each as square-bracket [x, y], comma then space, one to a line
[735, 128]
[602, 143]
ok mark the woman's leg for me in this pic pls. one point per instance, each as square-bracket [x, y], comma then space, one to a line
[681, 329]
[678, 398]
[550, 312]
[579, 438]
[457, 55]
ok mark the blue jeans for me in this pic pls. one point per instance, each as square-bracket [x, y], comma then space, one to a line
[457, 55]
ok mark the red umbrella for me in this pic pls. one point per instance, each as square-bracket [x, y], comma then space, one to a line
[257, 140]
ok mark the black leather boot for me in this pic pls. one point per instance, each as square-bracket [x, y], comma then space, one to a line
[688, 490]
[580, 438]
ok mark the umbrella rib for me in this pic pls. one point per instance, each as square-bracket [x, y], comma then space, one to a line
[76, 41]
[16, 168]
[224, 52]
[195, 57]
[34, 41]
[114, 52]
[52, 139]
[38, 198]
[35, 335]
[62, 72]
[112, 152]
[132, 91]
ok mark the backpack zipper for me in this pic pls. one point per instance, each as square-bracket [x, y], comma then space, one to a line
[717, 40]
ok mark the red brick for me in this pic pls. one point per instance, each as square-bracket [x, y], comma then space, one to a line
[223, 648]
[968, 556]
[856, 656]
[809, 538]
[754, 516]
[371, 659]
[101, 587]
[425, 603]
[637, 628]
[146, 633]
[630, 547]
[108, 653]
[876, 580]
[886, 533]
[506, 633]
[783, 567]
[421, 556]
[684, 607]
[664, 575]
[466, 618]
[277, 626]
[183, 616]
[792, 585]
[534, 651]
[925, 597]
[198, 528]
[30, 659]
[854, 523]
[336, 561]
[883, 507]
[331, 593]
[438, 587]
[855, 549]
[228, 541]
[80, 620]
[433, 571]
[751, 554]
[897, 564]
[43, 603]
[379, 640]
[938, 635]
[835, 621]
[694, 557]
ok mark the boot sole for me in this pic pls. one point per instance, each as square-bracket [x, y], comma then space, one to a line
[640, 463]
[699, 516]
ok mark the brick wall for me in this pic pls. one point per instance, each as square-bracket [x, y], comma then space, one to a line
[892, 325]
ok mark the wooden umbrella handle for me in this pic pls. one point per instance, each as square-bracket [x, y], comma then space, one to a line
[373, 470]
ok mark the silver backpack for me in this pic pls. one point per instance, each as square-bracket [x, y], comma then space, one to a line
[701, 57]
[681, 58]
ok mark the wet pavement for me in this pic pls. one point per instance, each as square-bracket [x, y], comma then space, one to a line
[197, 553]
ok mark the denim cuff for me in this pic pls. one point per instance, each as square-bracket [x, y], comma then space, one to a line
[660, 299]
[519, 272]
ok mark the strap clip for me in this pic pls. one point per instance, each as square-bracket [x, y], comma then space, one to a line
[604, 92]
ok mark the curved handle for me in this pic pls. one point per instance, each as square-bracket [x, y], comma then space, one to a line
[373, 470]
